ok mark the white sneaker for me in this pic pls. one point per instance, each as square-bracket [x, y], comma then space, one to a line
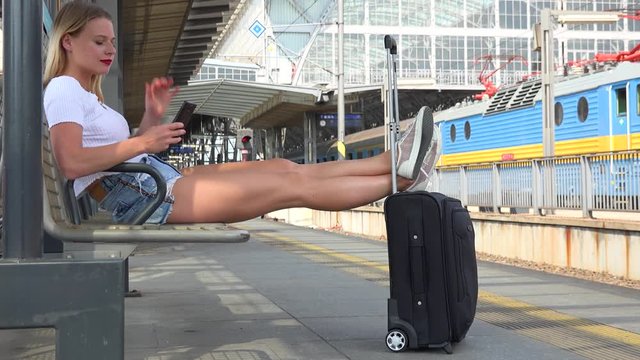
[429, 164]
[414, 143]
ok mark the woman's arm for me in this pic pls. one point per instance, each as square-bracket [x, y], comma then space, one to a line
[75, 160]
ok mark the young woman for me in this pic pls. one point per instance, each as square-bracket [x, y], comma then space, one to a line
[88, 137]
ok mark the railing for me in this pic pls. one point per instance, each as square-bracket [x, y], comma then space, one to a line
[608, 182]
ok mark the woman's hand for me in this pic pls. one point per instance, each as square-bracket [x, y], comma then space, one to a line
[158, 138]
[158, 95]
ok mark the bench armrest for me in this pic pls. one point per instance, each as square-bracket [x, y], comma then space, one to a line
[161, 186]
[146, 212]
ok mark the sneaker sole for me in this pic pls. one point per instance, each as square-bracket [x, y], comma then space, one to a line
[422, 185]
[419, 150]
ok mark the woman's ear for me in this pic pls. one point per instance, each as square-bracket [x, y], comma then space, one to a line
[66, 42]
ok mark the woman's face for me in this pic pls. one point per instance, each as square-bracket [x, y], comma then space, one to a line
[92, 50]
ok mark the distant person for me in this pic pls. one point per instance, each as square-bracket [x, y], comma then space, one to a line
[88, 137]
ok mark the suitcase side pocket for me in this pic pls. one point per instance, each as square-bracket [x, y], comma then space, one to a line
[466, 271]
[460, 245]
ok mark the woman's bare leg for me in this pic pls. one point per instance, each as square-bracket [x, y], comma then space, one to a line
[240, 195]
[376, 165]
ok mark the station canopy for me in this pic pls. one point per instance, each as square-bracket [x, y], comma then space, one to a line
[257, 105]
[168, 37]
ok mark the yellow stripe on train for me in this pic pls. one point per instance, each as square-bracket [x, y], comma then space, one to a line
[568, 147]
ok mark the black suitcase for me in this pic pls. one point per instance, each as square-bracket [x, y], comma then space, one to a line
[432, 259]
[432, 270]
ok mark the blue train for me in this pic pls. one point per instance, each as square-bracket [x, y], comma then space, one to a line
[594, 113]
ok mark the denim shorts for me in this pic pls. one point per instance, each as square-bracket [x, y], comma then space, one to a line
[128, 193]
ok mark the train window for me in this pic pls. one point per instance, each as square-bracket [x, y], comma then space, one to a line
[467, 130]
[452, 133]
[583, 109]
[621, 100]
[559, 113]
[359, 155]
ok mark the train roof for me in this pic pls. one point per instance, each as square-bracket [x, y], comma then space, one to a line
[621, 72]
[528, 93]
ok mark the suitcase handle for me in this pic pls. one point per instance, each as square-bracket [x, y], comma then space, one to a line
[418, 276]
[393, 114]
[390, 43]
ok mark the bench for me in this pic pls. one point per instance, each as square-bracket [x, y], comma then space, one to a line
[61, 219]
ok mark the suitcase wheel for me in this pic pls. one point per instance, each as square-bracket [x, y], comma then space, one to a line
[397, 340]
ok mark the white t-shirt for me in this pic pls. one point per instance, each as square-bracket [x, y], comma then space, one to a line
[65, 100]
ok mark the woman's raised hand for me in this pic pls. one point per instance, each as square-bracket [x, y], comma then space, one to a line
[158, 138]
[158, 95]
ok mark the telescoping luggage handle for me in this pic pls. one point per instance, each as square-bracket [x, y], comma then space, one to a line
[393, 112]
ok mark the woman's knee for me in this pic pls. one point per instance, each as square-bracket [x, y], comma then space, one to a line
[292, 175]
[285, 165]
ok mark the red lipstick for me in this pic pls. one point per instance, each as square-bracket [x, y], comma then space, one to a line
[106, 61]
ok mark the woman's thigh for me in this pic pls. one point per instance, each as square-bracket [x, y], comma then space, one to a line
[232, 196]
[271, 166]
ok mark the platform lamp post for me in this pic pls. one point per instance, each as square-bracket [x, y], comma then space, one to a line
[341, 147]
[544, 38]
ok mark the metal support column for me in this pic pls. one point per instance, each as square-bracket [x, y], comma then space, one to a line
[273, 148]
[258, 144]
[310, 135]
[22, 230]
[340, 143]
[270, 144]
[548, 74]
[214, 139]
[281, 135]
[547, 23]
[82, 300]
[225, 144]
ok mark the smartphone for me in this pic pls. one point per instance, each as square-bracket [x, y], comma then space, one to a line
[184, 114]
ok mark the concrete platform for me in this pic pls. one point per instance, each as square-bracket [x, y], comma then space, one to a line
[297, 293]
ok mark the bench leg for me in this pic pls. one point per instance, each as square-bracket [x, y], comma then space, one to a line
[127, 291]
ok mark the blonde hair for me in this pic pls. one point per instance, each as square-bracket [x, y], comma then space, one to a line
[71, 19]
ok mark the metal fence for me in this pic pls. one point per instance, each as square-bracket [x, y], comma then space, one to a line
[609, 181]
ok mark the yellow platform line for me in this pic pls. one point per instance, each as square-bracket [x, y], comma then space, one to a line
[516, 310]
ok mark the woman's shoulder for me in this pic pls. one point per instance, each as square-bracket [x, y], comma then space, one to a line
[65, 84]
